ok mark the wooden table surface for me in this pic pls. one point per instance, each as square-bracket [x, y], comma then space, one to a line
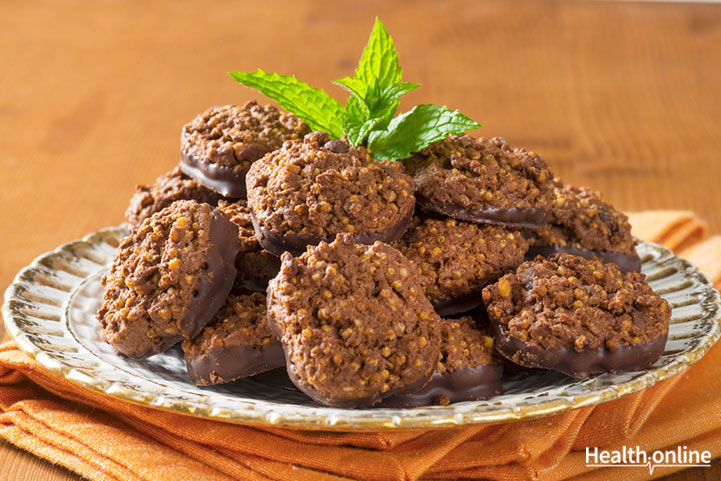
[623, 97]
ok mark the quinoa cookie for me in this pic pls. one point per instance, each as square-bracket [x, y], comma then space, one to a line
[310, 191]
[175, 185]
[237, 343]
[354, 322]
[578, 316]
[581, 223]
[168, 278]
[457, 259]
[220, 144]
[483, 180]
[255, 265]
[468, 369]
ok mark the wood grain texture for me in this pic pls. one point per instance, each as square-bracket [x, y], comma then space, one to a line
[622, 97]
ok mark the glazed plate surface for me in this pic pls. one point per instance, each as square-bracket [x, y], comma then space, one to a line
[50, 312]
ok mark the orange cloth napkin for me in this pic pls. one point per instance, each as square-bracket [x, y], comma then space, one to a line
[103, 438]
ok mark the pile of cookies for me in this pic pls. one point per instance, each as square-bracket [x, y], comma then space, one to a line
[373, 282]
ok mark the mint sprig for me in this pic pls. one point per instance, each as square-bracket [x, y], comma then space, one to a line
[369, 114]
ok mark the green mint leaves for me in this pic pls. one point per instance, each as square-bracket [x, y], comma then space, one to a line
[369, 115]
[313, 106]
[376, 89]
[414, 130]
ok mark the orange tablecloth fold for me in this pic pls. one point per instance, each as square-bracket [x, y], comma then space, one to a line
[103, 438]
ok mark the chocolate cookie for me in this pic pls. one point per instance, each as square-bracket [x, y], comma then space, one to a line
[255, 265]
[237, 343]
[466, 371]
[354, 322]
[220, 144]
[582, 224]
[455, 259]
[309, 191]
[483, 180]
[578, 316]
[168, 278]
[175, 185]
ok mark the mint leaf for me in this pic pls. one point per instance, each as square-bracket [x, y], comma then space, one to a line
[354, 86]
[357, 124]
[313, 106]
[379, 64]
[390, 97]
[416, 129]
[376, 89]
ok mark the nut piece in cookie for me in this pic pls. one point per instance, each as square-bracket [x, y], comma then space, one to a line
[168, 278]
[468, 369]
[582, 224]
[483, 180]
[220, 144]
[309, 191]
[255, 265]
[455, 259]
[354, 322]
[578, 316]
[237, 343]
[175, 185]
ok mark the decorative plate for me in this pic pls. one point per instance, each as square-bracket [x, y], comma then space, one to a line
[50, 312]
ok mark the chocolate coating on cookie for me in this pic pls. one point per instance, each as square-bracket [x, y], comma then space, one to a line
[169, 187]
[219, 145]
[483, 180]
[354, 322]
[582, 224]
[310, 191]
[168, 278]
[468, 370]
[578, 316]
[255, 265]
[579, 365]
[457, 259]
[237, 343]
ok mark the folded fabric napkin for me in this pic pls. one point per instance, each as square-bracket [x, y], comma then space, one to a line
[103, 438]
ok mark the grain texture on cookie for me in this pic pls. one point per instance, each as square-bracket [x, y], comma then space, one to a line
[354, 322]
[468, 369]
[237, 343]
[175, 185]
[310, 191]
[168, 278]
[483, 180]
[577, 315]
[455, 259]
[255, 265]
[581, 223]
[220, 144]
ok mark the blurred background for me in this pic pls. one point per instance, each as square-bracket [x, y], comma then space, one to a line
[622, 97]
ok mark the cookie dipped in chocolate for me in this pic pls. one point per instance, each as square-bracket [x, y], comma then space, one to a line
[237, 343]
[483, 180]
[169, 187]
[255, 265]
[582, 224]
[468, 370]
[577, 316]
[354, 323]
[455, 259]
[310, 191]
[219, 145]
[168, 278]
